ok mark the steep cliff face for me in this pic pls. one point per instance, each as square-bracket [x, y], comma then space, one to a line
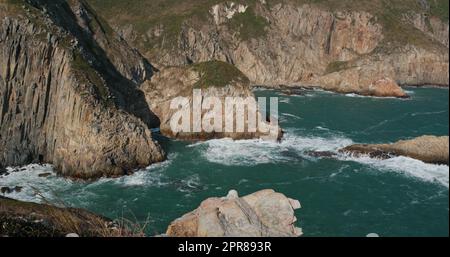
[343, 45]
[63, 97]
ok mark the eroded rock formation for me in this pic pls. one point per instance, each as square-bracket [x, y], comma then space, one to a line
[212, 79]
[429, 149]
[261, 214]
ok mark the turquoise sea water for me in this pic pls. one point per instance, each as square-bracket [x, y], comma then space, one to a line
[340, 197]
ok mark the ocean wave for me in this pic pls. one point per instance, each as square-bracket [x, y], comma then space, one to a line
[253, 152]
[36, 188]
[427, 113]
[322, 128]
[353, 95]
[407, 166]
[189, 185]
[292, 116]
[295, 147]
[150, 176]
[285, 100]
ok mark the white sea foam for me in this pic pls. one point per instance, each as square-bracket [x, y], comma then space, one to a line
[284, 100]
[427, 113]
[295, 147]
[407, 166]
[322, 128]
[34, 188]
[189, 185]
[253, 152]
[292, 116]
[41, 189]
[150, 176]
[375, 97]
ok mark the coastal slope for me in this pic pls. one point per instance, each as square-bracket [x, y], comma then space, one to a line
[345, 46]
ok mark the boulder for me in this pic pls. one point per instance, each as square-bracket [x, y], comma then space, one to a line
[262, 214]
[386, 87]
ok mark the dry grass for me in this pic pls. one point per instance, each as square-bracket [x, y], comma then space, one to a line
[19, 219]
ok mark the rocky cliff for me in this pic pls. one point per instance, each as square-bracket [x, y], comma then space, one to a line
[66, 84]
[345, 46]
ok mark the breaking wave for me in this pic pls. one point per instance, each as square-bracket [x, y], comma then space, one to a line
[296, 146]
[407, 166]
[253, 152]
[34, 187]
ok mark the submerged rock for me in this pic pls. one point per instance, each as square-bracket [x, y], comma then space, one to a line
[321, 154]
[429, 149]
[261, 214]
[44, 175]
[3, 171]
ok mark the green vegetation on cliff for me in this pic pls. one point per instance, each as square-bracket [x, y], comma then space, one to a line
[249, 25]
[218, 74]
[172, 14]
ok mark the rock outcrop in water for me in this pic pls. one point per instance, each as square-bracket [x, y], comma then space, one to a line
[69, 92]
[343, 46]
[429, 149]
[213, 79]
[261, 214]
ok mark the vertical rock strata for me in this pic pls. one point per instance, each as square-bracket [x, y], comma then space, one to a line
[64, 84]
